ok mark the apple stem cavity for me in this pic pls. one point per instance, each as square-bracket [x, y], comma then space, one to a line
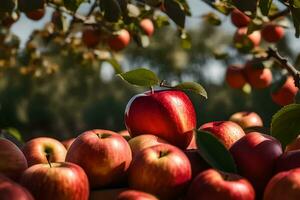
[48, 159]
[162, 153]
[103, 135]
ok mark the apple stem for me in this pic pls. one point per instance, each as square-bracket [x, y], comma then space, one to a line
[48, 159]
[152, 90]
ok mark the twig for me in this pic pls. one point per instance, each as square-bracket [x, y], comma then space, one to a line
[280, 14]
[273, 53]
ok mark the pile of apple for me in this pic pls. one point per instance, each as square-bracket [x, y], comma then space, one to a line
[155, 158]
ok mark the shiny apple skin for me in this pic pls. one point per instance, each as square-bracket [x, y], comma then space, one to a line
[211, 184]
[104, 155]
[162, 170]
[35, 150]
[288, 160]
[168, 114]
[12, 160]
[61, 181]
[255, 155]
[226, 131]
[247, 119]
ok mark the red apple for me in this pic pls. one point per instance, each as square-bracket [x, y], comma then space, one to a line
[36, 15]
[239, 19]
[119, 40]
[168, 114]
[141, 142]
[226, 131]
[12, 191]
[235, 77]
[286, 93]
[284, 186]
[36, 150]
[12, 160]
[257, 76]
[247, 119]
[198, 164]
[255, 155]
[59, 181]
[295, 145]
[147, 26]
[91, 37]
[162, 170]
[104, 155]
[272, 33]
[135, 195]
[288, 160]
[67, 143]
[215, 185]
[244, 41]
[125, 134]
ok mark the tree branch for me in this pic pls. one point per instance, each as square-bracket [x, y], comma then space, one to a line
[282, 13]
[273, 53]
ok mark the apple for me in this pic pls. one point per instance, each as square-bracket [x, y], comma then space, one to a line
[147, 26]
[295, 145]
[272, 32]
[135, 195]
[35, 150]
[104, 155]
[12, 160]
[162, 170]
[247, 119]
[226, 131]
[168, 114]
[59, 181]
[36, 15]
[255, 155]
[217, 185]
[286, 93]
[67, 143]
[239, 19]
[244, 41]
[288, 160]
[10, 190]
[198, 164]
[125, 134]
[258, 76]
[141, 142]
[91, 37]
[119, 40]
[284, 186]
[235, 77]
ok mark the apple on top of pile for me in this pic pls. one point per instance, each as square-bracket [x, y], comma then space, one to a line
[159, 156]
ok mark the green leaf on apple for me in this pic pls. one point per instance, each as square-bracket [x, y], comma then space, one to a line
[285, 125]
[214, 152]
[192, 86]
[140, 77]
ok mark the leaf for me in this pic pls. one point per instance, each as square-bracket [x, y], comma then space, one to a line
[192, 86]
[24, 6]
[140, 77]
[245, 5]
[112, 10]
[285, 125]
[265, 6]
[296, 18]
[175, 11]
[72, 5]
[7, 5]
[214, 152]
[14, 133]
[115, 64]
